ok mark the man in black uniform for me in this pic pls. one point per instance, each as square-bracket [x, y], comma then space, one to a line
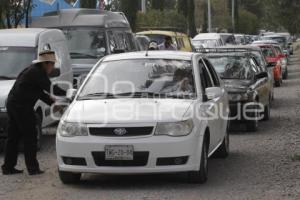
[31, 85]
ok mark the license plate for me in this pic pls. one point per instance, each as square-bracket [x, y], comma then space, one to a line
[119, 152]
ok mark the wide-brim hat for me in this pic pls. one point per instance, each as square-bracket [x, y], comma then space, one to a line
[45, 56]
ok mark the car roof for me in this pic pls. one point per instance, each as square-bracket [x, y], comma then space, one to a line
[20, 37]
[274, 36]
[159, 32]
[81, 17]
[265, 42]
[176, 55]
[241, 47]
[203, 36]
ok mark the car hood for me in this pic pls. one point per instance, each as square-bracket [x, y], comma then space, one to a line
[5, 87]
[114, 111]
[236, 86]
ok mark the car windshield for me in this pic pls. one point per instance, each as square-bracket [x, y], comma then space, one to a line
[268, 51]
[159, 39]
[232, 67]
[280, 40]
[135, 78]
[14, 60]
[206, 43]
[85, 43]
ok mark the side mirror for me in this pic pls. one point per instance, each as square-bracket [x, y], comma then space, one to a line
[262, 75]
[55, 73]
[71, 93]
[272, 64]
[213, 92]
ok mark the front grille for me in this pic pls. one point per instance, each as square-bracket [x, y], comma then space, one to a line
[139, 159]
[113, 132]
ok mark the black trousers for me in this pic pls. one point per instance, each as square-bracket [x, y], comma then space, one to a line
[21, 125]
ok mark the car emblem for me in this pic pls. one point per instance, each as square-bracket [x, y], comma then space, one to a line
[120, 131]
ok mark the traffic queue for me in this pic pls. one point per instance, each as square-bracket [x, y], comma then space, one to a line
[151, 102]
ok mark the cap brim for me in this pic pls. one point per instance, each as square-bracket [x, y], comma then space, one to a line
[41, 61]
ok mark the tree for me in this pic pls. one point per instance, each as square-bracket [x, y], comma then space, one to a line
[191, 17]
[287, 13]
[130, 8]
[248, 23]
[157, 18]
[158, 4]
[88, 3]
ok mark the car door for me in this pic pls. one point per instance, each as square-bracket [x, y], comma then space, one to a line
[222, 101]
[209, 107]
[261, 84]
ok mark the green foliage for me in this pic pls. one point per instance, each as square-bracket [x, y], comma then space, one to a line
[130, 8]
[88, 3]
[248, 22]
[157, 18]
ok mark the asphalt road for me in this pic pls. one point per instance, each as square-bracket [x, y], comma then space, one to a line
[262, 165]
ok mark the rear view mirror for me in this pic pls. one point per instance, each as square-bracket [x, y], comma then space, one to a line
[272, 64]
[55, 73]
[213, 92]
[71, 93]
[262, 75]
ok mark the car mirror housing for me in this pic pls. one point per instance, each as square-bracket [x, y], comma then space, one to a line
[213, 92]
[71, 93]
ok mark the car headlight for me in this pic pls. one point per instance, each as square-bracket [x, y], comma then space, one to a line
[239, 97]
[182, 128]
[68, 129]
[4, 110]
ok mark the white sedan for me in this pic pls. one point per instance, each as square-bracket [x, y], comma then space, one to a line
[145, 112]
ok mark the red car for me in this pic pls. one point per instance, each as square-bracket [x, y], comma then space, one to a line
[274, 58]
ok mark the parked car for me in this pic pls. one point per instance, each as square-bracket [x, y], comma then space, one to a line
[228, 38]
[283, 60]
[261, 61]
[207, 40]
[143, 42]
[274, 59]
[18, 48]
[91, 34]
[247, 85]
[282, 40]
[240, 39]
[180, 40]
[163, 129]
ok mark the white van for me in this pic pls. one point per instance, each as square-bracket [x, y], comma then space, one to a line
[207, 40]
[18, 48]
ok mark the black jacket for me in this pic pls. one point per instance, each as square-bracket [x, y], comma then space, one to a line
[31, 85]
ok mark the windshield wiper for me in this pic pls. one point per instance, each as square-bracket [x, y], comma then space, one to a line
[84, 55]
[7, 78]
[93, 95]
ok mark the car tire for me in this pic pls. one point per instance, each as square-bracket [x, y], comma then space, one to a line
[223, 150]
[278, 83]
[69, 177]
[39, 130]
[201, 175]
[285, 75]
[267, 112]
[252, 125]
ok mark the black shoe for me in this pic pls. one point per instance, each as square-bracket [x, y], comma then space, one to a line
[11, 171]
[35, 172]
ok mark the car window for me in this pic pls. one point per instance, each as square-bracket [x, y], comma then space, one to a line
[205, 76]
[268, 52]
[213, 73]
[112, 41]
[254, 66]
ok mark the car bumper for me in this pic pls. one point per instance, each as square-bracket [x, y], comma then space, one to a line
[156, 147]
[3, 125]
